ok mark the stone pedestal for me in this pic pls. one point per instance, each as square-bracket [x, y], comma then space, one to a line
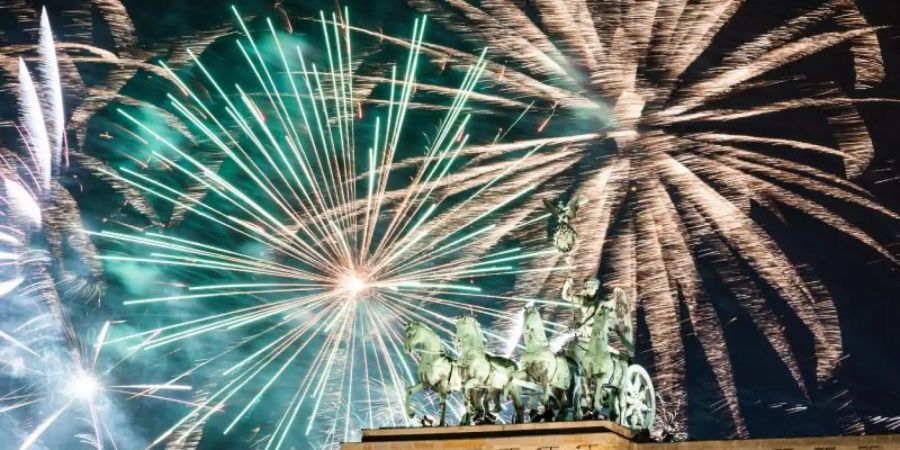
[587, 435]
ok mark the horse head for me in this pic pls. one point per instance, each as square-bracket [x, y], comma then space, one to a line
[468, 334]
[415, 334]
[533, 328]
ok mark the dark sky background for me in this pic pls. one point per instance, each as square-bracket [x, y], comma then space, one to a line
[865, 288]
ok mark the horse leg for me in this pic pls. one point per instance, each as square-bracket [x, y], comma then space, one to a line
[505, 394]
[471, 398]
[614, 409]
[563, 411]
[499, 395]
[516, 394]
[548, 399]
[576, 394]
[469, 417]
[490, 395]
[598, 398]
[573, 406]
[552, 407]
[478, 399]
[443, 422]
[545, 385]
[466, 419]
[484, 404]
[587, 399]
[468, 401]
[409, 393]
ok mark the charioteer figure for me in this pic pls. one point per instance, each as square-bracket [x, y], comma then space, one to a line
[583, 297]
[586, 299]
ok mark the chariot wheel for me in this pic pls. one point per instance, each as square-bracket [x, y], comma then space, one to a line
[637, 400]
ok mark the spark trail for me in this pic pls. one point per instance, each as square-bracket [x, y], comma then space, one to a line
[303, 256]
[658, 146]
[53, 392]
[59, 387]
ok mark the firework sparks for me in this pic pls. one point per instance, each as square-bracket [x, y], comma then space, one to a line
[663, 192]
[46, 377]
[61, 380]
[333, 262]
[34, 201]
[120, 61]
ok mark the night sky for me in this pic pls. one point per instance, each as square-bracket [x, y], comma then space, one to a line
[865, 287]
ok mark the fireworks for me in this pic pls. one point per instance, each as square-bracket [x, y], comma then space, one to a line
[275, 233]
[120, 61]
[330, 262]
[51, 379]
[36, 204]
[46, 377]
[657, 147]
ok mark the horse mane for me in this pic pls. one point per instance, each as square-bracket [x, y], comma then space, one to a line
[431, 333]
[543, 335]
[476, 340]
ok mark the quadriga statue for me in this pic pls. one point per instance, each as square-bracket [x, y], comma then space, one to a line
[607, 382]
[587, 373]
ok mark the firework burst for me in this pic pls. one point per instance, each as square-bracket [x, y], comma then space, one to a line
[657, 144]
[331, 259]
[50, 384]
[67, 391]
[42, 222]
[112, 65]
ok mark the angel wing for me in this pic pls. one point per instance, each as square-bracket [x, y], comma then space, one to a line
[622, 324]
[550, 207]
[572, 206]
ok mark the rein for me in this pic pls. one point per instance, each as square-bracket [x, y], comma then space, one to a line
[422, 350]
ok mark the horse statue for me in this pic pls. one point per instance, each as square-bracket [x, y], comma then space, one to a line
[437, 371]
[487, 377]
[609, 379]
[565, 239]
[557, 374]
